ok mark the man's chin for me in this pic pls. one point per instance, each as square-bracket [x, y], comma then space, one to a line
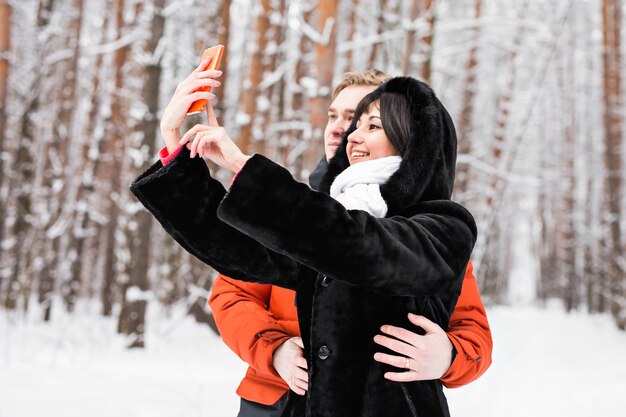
[330, 151]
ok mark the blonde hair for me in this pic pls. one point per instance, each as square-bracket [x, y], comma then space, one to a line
[370, 77]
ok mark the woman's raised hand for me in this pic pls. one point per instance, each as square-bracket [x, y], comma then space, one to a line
[213, 142]
[186, 93]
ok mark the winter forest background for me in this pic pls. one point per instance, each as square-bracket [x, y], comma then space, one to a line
[534, 86]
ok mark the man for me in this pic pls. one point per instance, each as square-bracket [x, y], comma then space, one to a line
[259, 322]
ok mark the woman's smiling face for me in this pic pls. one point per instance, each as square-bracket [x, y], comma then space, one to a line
[369, 141]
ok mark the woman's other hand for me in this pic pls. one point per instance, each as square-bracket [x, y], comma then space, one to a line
[424, 357]
[289, 362]
[186, 93]
[213, 142]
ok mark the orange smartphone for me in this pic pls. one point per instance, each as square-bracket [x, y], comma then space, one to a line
[215, 52]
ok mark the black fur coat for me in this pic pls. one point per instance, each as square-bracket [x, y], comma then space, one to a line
[351, 272]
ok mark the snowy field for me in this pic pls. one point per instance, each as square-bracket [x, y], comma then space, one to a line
[546, 363]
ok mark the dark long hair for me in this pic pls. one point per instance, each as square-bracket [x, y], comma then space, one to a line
[395, 115]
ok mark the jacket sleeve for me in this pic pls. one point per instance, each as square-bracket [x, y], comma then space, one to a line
[242, 315]
[184, 198]
[424, 254]
[470, 334]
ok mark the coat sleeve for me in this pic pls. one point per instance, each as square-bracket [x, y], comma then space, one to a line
[470, 334]
[424, 254]
[184, 198]
[242, 315]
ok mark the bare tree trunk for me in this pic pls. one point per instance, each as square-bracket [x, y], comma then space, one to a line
[273, 92]
[24, 174]
[567, 230]
[109, 284]
[611, 59]
[490, 236]
[223, 33]
[5, 48]
[83, 228]
[322, 71]
[409, 44]
[254, 77]
[569, 237]
[486, 222]
[132, 316]
[46, 280]
[378, 27]
[61, 147]
[52, 166]
[590, 249]
[295, 107]
[109, 175]
[464, 127]
[351, 34]
[547, 255]
[569, 234]
[429, 8]
[24, 171]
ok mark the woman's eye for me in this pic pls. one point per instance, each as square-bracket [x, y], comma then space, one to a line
[373, 126]
[332, 117]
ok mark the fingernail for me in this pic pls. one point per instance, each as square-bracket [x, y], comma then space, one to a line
[218, 72]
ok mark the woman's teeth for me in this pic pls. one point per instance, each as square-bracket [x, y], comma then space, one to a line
[359, 154]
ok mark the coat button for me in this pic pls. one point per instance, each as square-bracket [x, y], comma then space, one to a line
[325, 281]
[323, 352]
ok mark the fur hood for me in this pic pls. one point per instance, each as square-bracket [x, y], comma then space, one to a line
[428, 165]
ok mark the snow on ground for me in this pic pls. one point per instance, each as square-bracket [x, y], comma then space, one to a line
[546, 363]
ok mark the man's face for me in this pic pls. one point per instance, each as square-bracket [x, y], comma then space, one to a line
[340, 114]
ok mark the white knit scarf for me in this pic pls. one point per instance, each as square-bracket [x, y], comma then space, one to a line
[358, 186]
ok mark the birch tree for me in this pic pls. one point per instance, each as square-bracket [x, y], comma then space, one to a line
[5, 48]
[22, 181]
[85, 229]
[223, 34]
[109, 175]
[492, 247]
[612, 69]
[465, 123]
[134, 307]
[255, 75]
[568, 231]
[323, 68]
[59, 150]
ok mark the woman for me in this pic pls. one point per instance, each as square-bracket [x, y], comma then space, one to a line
[389, 241]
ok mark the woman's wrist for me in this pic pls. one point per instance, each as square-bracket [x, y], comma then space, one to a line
[171, 137]
[238, 163]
